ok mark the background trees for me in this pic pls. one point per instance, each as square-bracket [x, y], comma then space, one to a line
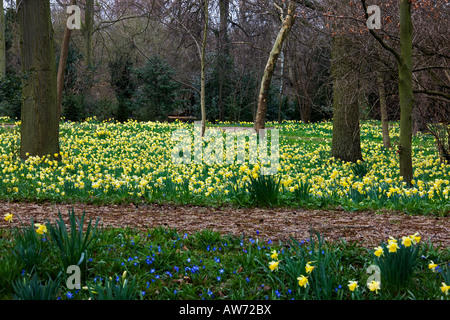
[143, 59]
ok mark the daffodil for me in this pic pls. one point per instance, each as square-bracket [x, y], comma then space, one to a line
[309, 268]
[8, 217]
[415, 238]
[379, 251]
[393, 247]
[41, 229]
[352, 285]
[406, 241]
[432, 265]
[273, 265]
[302, 281]
[374, 286]
[445, 288]
[274, 255]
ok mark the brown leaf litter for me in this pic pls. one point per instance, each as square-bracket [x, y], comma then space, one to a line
[368, 228]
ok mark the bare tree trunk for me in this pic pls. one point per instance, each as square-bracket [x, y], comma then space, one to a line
[40, 124]
[383, 110]
[270, 66]
[224, 7]
[346, 143]
[2, 42]
[405, 92]
[280, 98]
[62, 66]
[203, 70]
[88, 31]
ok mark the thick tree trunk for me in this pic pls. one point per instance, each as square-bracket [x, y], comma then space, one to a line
[288, 22]
[383, 110]
[346, 143]
[40, 124]
[62, 66]
[405, 92]
[2, 42]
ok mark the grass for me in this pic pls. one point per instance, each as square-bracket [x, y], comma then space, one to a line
[106, 162]
[162, 264]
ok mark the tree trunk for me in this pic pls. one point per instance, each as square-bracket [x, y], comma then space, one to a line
[40, 124]
[288, 22]
[405, 92]
[346, 143]
[203, 70]
[88, 31]
[2, 42]
[62, 65]
[383, 110]
[224, 8]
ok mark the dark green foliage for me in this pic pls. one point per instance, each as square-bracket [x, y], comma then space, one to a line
[73, 245]
[114, 289]
[33, 289]
[264, 190]
[10, 95]
[121, 81]
[302, 192]
[73, 107]
[29, 248]
[157, 94]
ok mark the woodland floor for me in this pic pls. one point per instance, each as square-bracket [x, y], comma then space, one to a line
[368, 228]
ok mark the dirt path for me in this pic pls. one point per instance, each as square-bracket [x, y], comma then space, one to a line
[367, 228]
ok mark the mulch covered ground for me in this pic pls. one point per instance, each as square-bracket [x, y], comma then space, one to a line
[366, 228]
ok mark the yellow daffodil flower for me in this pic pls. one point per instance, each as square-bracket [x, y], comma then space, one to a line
[432, 265]
[8, 217]
[352, 285]
[415, 238]
[374, 286]
[273, 265]
[309, 268]
[406, 241]
[274, 255]
[393, 247]
[41, 229]
[302, 281]
[378, 251]
[445, 288]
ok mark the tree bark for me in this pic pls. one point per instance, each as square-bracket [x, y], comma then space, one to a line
[203, 69]
[88, 31]
[62, 65]
[2, 42]
[346, 143]
[224, 8]
[383, 110]
[288, 22]
[405, 92]
[40, 124]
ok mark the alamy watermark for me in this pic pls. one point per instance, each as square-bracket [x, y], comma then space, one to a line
[374, 20]
[74, 20]
[213, 148]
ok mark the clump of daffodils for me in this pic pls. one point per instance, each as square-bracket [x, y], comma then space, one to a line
[397, 260]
